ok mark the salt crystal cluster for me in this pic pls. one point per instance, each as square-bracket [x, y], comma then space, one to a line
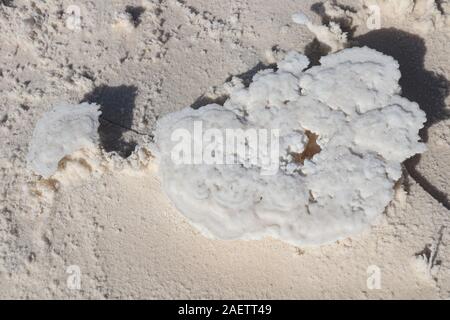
[60, 132]
[350, 105]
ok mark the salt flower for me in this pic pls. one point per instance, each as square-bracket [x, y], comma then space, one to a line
[343, 132]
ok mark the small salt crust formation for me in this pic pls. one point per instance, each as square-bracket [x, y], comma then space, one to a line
[60, 132]
[331, 35]
[344, 130]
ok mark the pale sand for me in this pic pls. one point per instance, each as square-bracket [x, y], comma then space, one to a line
[115, 222]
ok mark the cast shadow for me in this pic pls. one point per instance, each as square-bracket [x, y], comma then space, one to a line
[427, 88]
[116, 105]
[135, 13]
[344, 23]
[246, 78]
[316, 50]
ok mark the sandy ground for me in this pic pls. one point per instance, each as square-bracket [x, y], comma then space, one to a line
[107, 218]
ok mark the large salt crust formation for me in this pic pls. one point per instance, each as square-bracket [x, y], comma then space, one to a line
[60, 132]
[364, 130]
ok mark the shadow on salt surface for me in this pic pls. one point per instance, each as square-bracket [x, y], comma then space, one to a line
[117, 105]
[427, 88]
[135, 13]
[7, 3]
[345, 24]
[246, 78]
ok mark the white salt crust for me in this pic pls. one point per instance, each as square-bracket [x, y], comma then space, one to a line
[60, 132]
[365, 130]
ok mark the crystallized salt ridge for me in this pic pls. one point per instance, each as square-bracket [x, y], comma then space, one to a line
[365, 130]
[60, 132]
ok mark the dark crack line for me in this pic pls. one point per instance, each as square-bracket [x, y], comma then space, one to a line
[428, 187]
[438, 243]
[126, 128]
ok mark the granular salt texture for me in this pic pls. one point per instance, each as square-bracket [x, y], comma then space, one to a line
[60, 132]
[343, 132]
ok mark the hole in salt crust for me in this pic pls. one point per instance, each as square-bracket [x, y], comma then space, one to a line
[311, 148]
